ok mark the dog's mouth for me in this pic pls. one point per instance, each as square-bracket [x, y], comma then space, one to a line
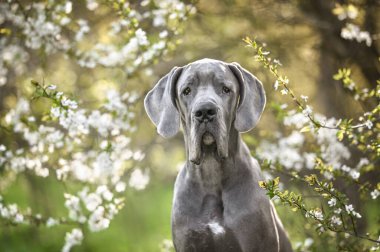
[207, 140]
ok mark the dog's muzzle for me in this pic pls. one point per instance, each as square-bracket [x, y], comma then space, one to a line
[207, 129]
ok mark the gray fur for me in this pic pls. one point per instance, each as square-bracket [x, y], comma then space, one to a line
[218, 205]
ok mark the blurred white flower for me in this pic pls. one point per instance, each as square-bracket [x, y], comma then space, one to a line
[354, 174]
[362, 162]
[276, 84]
[375, 193]
[92, 201]
[368, 124]
[120, 186]
[332, 202]
[304, 97]
[349, 208]
[284, 91]
[97, 220]
[318, 214]
[51, 222]
[308, 242]
[336, 220]
[307, 111]
[52, 87]
[138, 179]
[91, 4]
[352, 31]
[338, 210]
[72, 238]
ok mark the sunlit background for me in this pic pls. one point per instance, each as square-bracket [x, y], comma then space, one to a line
[304, 35]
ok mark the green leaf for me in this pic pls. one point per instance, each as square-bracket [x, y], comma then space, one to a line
[262, 184]
[34, 83]
[305, 129]
[276, 181]
[340, 135]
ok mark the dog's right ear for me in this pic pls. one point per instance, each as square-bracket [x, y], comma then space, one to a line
[160, 104]
[252, 98]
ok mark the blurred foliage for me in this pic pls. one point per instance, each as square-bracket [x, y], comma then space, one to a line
[304, 35]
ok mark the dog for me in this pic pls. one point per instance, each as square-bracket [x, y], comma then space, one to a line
[218, 204]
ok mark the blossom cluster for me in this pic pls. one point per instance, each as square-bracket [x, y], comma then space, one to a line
[73, 132]
[97, 208]
[291, 151]
[52, 26]
[86, 149]
[317, 151]
[351, 31]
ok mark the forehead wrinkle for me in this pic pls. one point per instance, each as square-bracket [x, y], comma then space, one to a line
[223, 68]
[203, 75]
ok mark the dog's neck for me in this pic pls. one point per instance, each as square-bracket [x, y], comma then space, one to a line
[212, 169]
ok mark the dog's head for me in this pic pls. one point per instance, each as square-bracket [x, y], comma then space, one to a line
[209, 97]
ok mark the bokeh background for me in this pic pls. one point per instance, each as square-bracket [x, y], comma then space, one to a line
[304, 35]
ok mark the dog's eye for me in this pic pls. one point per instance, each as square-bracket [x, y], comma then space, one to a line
[186, 91]
[226, 90]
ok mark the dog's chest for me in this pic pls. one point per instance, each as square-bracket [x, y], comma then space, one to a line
[209, 174]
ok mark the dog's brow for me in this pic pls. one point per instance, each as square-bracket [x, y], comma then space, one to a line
[220, 78]
[223, 68]
[189, 80]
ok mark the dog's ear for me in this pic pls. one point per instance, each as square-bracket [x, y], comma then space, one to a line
[160, 104]
[252, 99]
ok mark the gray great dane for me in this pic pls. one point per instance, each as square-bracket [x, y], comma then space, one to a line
[218, 204]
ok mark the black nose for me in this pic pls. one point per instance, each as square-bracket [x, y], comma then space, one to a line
[205, 112]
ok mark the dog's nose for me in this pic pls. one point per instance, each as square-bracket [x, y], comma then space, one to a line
[205, 112]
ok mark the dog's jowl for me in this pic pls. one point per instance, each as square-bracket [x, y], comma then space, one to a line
[218, 205]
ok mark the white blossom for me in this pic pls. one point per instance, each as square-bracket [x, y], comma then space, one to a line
[362, 162]
[304, 97]
[91, 4]
[69, 133]
[308, 242]
[120, 187]
[284, 91]
[345, 168]
[276, 84]
[51, 222]
[104, 192]
[51, 87]
[97, 220]
[92, 201]
[138, 179]
[350, 210]
[352, 31]
[316, 213]
[332, 202]
[338, 210]
[307, 111]
[375, 193]
[72, 238]
[354, 174]
[277, 62]
[368, 124]
[336, 220]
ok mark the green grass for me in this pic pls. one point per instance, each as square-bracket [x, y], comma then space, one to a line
[140, 226]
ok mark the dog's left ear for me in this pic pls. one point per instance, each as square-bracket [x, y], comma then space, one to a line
[252, 99]
[160, 104]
